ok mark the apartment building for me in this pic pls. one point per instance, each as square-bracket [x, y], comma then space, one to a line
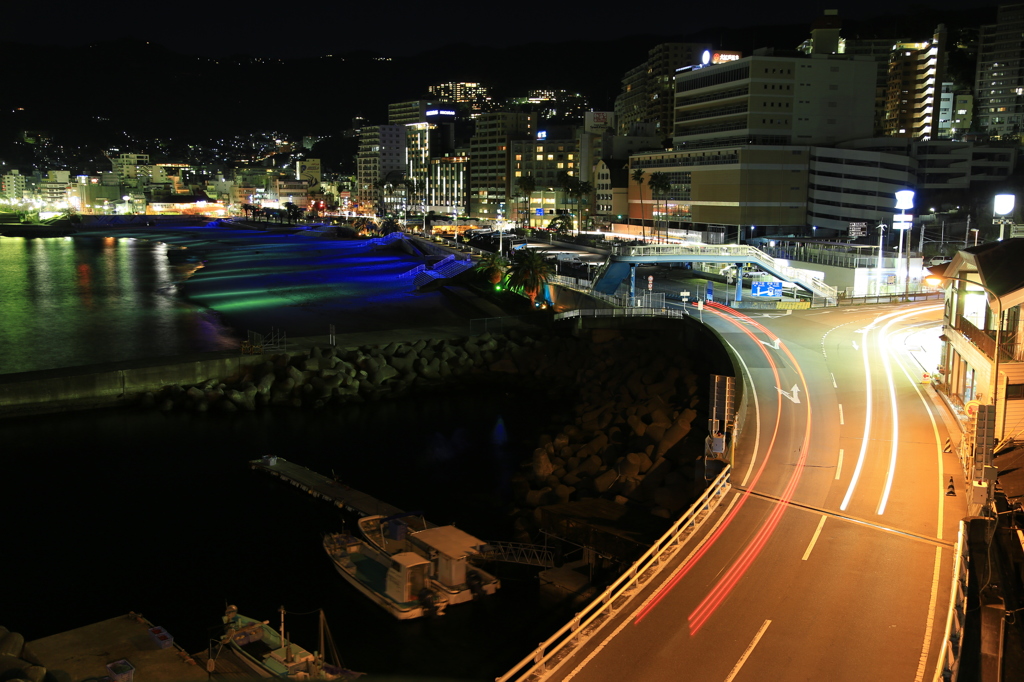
[912, 102]
[999, 80]
[774, 100]
[381, 151]
[647, 90]
[490, 180]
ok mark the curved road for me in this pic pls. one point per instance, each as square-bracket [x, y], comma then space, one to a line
[831, 558]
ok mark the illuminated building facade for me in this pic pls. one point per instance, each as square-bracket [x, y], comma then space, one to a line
[912, 96]
[13, 186]
[474, 96]
[647, 90]
[546, 159]
[381, 151]
[999, 80]
[490, 181]
[774, 100]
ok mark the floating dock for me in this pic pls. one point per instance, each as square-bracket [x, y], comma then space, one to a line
[320, 486]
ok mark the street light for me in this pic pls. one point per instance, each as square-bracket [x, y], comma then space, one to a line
[1002, 206]
[904, 200]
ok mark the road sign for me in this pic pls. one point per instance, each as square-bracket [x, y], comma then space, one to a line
[858, 229]
[709, 292]
[766, 289]
[650, 282]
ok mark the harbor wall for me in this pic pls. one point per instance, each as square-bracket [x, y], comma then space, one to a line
[110, 385]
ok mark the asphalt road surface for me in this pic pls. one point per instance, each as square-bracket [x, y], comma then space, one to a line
[831, 558]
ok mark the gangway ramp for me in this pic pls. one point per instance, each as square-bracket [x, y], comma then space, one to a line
[519, 553]
[623, 256]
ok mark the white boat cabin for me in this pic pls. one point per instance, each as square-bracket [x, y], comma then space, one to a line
[407, 576]
[449, 549]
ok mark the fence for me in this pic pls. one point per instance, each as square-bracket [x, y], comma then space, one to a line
[623, 312]
[560, 645]
[953, 639]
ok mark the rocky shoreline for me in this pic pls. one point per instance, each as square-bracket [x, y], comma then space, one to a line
[631, 435]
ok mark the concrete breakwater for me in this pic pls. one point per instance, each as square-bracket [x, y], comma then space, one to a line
[629, 435]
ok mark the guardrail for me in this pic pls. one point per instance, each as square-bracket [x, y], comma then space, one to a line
[617, 595]
[953, 639]
[623, 312]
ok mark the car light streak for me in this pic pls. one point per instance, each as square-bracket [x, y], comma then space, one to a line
[753, 549]
[895, 447]
[667, 587]
[867, 428]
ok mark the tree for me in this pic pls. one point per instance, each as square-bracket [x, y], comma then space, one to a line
[660, 185]
[493, 266]
[526, 185]
[570, 185]
[638, 178]
[529, 272]
[583, 192]
[560, 225]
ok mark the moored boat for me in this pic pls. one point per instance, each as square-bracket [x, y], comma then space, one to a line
[270, 654]
[410, 573]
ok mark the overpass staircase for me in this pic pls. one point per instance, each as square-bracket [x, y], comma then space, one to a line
[624, 256]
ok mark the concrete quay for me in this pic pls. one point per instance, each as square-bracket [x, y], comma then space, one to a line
[84, 653]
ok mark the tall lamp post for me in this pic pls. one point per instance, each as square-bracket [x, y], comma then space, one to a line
[904, 200]
[1002, 206]
[937, 281]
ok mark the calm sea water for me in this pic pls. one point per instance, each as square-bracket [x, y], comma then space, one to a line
[68, 302]
[113, 510]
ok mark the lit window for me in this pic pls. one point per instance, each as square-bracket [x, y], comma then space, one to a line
[551, 157]
[540, 157]
[561, 165]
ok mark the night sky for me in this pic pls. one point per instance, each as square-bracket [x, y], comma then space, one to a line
[403, 28]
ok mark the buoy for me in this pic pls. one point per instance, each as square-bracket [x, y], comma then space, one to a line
[950, 489]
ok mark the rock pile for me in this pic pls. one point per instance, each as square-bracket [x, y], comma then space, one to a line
[16, 661]
[322, 376]
[627, 437]
[629, 440]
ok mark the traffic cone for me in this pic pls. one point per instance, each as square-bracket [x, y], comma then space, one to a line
[950, 490]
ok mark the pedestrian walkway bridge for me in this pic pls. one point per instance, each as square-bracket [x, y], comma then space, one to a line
[625, 257]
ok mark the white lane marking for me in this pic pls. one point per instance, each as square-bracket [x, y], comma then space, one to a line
[834, 384]
[772, 345]
[922, 662]
[793, 393]
[750, 648]
[841, 422]
[839, 466]
[757, 415]
[855, 346]
[654, 593]
[814, 538]
[895, 446]
[930, 411]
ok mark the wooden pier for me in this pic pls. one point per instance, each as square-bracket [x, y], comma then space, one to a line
[318, 485]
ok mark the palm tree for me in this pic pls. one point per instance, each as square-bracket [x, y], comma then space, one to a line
[569, 183]
[530, 271]
[560, 225]
[583, 192]
[659, 184]
[526, 185]
[638, 178]
[493, 266]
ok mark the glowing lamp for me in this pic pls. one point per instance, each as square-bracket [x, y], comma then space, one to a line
[1003, 204]
[905, 199]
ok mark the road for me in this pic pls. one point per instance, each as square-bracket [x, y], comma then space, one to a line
[831, 559]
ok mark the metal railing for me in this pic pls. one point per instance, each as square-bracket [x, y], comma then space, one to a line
[617, 595]
[953, 639]
[518, 553]
[674, 313]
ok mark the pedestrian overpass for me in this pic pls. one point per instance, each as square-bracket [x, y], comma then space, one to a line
[625, 258]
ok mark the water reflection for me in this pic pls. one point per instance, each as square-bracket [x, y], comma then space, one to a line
[69, 302]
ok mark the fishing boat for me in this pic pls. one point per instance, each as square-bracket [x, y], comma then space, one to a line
[410, 570]
[270, 653]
